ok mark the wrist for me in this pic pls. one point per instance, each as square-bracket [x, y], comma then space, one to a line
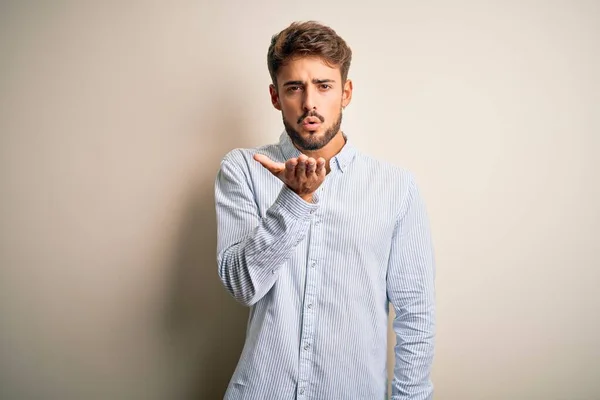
[307, 197]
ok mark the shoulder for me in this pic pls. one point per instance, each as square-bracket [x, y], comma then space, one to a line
[243, 158]
[393, 183]
[386, 171]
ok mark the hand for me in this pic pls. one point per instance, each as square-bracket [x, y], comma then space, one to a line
[303, 175]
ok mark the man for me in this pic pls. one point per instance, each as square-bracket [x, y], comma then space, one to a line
[318, 238]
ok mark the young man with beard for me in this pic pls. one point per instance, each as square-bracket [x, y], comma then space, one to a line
[318, 238]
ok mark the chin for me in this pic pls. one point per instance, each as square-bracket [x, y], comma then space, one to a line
[320, 130]
[311, 139]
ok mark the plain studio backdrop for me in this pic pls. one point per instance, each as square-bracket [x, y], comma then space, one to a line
[113, 121]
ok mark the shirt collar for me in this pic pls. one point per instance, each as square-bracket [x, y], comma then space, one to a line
[341, 160]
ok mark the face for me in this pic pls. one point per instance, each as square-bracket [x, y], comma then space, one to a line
[310, 95]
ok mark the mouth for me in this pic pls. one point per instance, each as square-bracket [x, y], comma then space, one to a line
[311, 123]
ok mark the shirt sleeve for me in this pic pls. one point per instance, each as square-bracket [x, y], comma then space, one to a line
[410, 289]
[251, 249]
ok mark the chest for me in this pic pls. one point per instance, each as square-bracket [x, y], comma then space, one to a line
[355, 214]
[354, 217]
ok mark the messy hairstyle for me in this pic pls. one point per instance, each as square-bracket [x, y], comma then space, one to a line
[306, 39]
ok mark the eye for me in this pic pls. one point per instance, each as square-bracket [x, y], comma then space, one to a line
[325, 86]
[293, 89]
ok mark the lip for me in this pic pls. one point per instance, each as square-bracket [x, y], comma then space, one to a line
[311, 123]
[311, 127]
[312, 119]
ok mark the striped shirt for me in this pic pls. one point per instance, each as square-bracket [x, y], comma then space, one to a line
[319, 277]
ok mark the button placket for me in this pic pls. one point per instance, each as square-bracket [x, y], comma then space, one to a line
[311, 290]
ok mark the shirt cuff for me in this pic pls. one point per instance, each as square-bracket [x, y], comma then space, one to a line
[290, 201]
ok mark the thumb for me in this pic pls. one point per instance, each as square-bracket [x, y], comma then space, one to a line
[274, 167]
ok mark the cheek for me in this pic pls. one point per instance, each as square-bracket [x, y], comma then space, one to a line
[285, 105]
[289, 113]
[334, 104]
[334, 110]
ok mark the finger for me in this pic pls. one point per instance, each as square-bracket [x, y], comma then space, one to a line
[311, 166]
[321, 169]
[272, 166]
[290, 168]
[320, 165]
[301, 167]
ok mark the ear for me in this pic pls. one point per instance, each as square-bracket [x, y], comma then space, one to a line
[274, 97]
[347, 93]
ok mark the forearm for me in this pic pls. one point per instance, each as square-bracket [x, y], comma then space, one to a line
[249, 267]
[414, 350]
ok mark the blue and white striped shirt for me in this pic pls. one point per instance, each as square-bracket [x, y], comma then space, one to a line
[319, 277]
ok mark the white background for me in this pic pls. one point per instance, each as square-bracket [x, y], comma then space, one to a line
[113, 120]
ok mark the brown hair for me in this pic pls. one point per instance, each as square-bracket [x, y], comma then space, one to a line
[308, 38]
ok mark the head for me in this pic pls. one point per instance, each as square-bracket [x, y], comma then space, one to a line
[308, 63]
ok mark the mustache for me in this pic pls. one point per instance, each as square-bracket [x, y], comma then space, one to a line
[311, 113]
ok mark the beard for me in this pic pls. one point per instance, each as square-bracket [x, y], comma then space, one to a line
[313, 142]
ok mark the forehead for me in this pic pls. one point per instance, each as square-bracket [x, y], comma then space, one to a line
[307, 68]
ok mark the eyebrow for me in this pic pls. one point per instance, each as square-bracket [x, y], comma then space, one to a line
[315, 81]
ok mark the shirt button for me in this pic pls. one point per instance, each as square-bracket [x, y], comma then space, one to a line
[312, 211]
[310, 306]
[307, 346]
[301, 391]
[313, 264]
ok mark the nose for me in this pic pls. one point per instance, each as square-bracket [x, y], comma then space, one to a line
[309, 100]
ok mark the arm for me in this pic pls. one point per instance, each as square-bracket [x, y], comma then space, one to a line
[410, 287]
[251, 249]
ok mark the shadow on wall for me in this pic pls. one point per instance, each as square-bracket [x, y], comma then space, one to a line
[206, 327]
